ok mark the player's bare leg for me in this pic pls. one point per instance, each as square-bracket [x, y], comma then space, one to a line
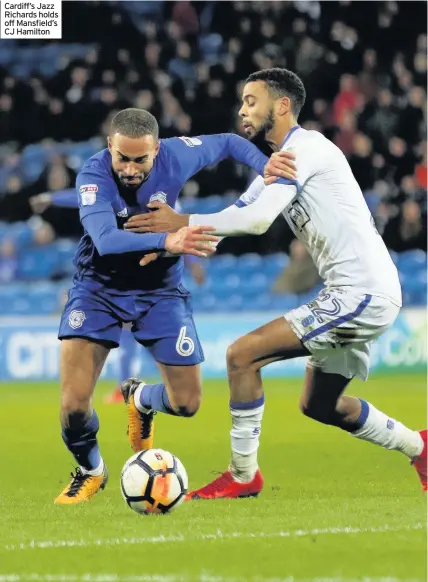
[178, 395]
[81, 363]
[245, 358]
[127, 349]
[322, 400]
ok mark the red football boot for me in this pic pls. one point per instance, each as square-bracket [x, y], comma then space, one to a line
[420, 463]
[225, 487]
[114, 397]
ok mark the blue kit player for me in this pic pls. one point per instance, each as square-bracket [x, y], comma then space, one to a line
[110, 287]
[128, 347]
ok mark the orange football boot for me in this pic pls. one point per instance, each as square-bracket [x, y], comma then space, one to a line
[140, 424]
[82, 487]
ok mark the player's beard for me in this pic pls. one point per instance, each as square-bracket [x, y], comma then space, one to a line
[259, 139]
[131, 185]
[121, 179]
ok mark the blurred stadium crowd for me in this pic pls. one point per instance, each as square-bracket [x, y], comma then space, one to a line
[364, 65]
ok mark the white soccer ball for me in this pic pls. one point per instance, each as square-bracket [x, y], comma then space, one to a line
[153, 481]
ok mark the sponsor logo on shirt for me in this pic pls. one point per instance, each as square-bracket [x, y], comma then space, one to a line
[191, 142]
[158, 197]
[298, 215]
[88, 194]
[123, 213]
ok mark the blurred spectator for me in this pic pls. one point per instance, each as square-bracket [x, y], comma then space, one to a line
[408, 230]
[383, 119]
[400, 159]
[345, 137]
[8, 261]
[361, 161]
[421, 168]
[300, 274]
[412, 116]
[348, 98]
[185, 16]
[44, 234]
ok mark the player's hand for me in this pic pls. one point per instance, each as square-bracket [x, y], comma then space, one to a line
[149, 258]
[280, 165]
[163, 218]
[192, 240]
[40, 203]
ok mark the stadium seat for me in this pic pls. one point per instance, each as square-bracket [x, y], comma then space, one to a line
[414, 297]
[250, 263]
[21, 234]
[284, 303]
[222, 265]
[254, 284]
[258, 302]
[274, 264]
[37, 264]
[411, 261]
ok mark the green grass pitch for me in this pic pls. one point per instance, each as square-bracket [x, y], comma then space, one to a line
[333, 507]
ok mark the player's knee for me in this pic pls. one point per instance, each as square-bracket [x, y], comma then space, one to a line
[190, 408]
[187, 411]
[236, 356]
[74, 407]
[187, 405]
[74, 419]
[316, 412]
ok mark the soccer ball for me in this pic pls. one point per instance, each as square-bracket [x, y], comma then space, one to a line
[153, 481]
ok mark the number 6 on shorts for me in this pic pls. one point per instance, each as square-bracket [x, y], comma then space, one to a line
[185, 345]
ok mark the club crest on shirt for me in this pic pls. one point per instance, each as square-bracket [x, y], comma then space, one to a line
[76, 318]
[88, 194]
[158, 197]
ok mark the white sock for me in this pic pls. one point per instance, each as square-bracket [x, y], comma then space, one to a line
[245, 435]
[97, 472]
[387, 432]
[137, 399]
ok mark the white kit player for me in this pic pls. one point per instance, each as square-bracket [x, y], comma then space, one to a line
[325, 209]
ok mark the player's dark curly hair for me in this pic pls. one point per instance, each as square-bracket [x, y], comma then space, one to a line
[134, 123]
[282, 83]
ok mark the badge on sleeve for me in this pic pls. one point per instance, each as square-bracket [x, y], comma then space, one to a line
[88, 194]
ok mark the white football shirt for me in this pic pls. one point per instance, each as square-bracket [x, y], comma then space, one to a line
[330, 217]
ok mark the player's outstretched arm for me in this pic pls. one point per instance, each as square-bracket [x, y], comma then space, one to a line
[109, 240]
[191, 154]
[62, 199]
[255, 218]
[166, 219]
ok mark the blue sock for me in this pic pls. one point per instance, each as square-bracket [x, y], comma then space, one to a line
[126, 355]
[80, 438]
[155, 396]
[364, 414]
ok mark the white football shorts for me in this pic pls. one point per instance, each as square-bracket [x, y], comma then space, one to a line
[338, 327]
